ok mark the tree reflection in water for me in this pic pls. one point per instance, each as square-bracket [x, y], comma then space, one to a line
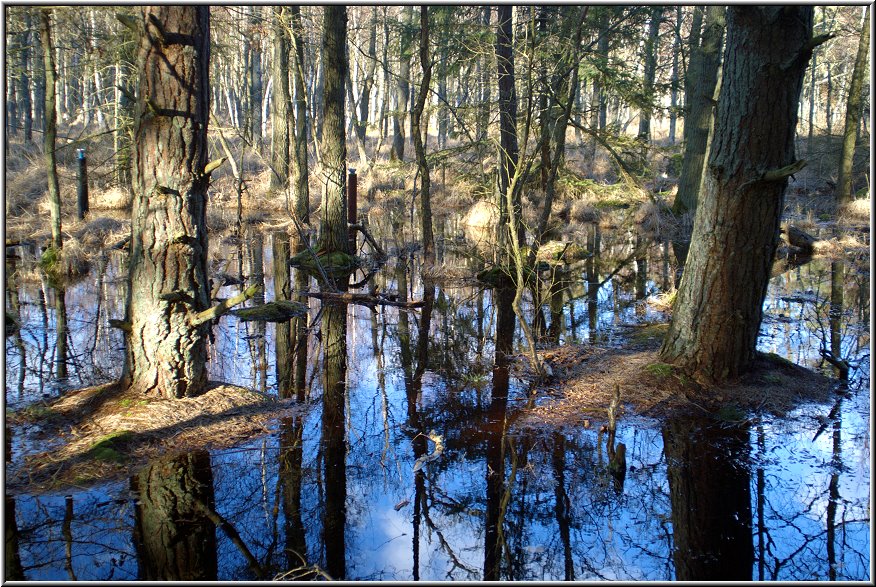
[710, 490]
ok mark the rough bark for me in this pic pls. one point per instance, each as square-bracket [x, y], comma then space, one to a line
[854, 106]
[701, 93]
[416, 131]
[718, 311]
[281, 106]
[300, 175]
[175, 540]
[51, 125]
[333, 230]
[168, 260]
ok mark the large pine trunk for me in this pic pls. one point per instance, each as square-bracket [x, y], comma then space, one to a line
[718, 311]
[333, 231]
[50, 126]
[168, 262]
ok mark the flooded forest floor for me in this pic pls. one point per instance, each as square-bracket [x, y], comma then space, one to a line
[434, 426]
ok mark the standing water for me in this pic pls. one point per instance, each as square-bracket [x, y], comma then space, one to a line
[410, 459]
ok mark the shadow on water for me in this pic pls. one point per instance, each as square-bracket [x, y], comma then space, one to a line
[408, 459]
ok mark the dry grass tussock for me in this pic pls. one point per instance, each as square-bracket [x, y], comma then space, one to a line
[585, 379]
[105, 432]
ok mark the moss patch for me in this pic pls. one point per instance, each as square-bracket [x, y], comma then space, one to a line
[277, 311]
[109, 448]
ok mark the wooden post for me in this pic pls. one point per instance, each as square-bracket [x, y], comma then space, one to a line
[352, 206]
[82, 184]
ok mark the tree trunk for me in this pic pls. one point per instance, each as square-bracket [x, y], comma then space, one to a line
[24, 88]
[422, 165]
[673, 87]
[168, 260]
[300, 174]
[175, 539]
[508, 148]
[402, 92]
[333, 231]
[650, 72]
[854, 106]
[51, 127]
[281, 106]
[718, 311]
[701, 93]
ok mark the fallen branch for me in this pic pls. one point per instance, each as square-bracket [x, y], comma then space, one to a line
[224, 306]
[380, 252]
[361, 299]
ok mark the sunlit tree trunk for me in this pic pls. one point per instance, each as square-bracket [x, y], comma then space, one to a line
[417, 133]
[718, 310]
[168, 259]
[854, 106]
[333, 230]
[300, 174]
[281, 101]
[50, 126]
[508, 148]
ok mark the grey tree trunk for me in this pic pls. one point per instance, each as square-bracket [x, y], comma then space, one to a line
[168, 260]
[333, 230]
[718, 310]
[701, 93]
[300, 173]
[416, 131]
[673, 89]
[281, 104]
[402, 92]
[51, 125]
[854, 106]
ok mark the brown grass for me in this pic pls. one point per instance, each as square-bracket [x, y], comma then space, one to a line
[72, 426]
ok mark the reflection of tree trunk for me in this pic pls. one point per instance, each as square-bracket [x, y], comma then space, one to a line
[710, 491]
[299, 325]
[333, 436]
[257, 277]
[641, 267]
[562, 505]
[175, 539]
[835, 313]
[61, 332]
[291, 458]
[592, 267]
[284, 336]
[833, 493]
[496, 428]
[12, 560]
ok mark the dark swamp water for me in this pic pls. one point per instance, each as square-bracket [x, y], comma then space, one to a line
[407, 462]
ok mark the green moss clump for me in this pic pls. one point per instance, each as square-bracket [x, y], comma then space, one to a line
[660, 369]
[276, 311]
[337, 264]
[108, 448]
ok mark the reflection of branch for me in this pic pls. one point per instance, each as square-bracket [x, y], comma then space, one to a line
[456, 562]
[232, 533]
